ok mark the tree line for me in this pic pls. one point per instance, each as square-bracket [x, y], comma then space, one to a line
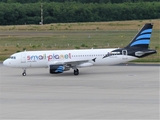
[56, 12]
[81, 1]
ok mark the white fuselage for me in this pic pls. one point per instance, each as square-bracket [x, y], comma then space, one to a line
[41, 59]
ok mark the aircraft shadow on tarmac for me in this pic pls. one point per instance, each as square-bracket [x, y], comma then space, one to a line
[83, 73]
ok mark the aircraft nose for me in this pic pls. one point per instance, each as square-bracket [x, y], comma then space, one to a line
[5, 63]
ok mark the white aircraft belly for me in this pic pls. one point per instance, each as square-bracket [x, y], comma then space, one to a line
[113, 60]
[38, 64]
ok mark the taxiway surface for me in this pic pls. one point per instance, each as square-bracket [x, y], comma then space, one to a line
[119, 92]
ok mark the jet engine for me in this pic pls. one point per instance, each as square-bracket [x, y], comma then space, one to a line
[55, 69]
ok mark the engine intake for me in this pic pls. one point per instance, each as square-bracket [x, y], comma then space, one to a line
[55, 69]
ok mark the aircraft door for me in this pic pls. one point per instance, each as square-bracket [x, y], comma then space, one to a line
[23, 57]
[124, 54]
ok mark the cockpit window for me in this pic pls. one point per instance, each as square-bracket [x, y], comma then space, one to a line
[12, 57]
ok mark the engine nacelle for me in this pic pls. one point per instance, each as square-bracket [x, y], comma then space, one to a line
[55, 69]
[60, 68]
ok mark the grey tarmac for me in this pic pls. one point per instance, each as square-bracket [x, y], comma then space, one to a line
[100, 92]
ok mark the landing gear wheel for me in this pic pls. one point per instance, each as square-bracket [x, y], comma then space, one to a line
[76, 72]
[24, 74]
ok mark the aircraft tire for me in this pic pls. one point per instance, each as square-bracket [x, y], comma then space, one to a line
[76, 72]
[24, 74]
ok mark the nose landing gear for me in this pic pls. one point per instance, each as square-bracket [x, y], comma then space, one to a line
[24, 72]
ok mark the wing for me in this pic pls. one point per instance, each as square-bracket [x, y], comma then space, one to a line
[73, 63]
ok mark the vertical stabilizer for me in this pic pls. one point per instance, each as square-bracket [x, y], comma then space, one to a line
[142, 39]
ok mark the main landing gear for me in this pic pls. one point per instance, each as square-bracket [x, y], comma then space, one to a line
[76, 72]
[24, 72]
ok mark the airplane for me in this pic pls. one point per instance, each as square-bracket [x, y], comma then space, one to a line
[59, 61]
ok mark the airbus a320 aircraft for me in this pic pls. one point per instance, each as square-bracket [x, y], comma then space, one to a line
[59, 61]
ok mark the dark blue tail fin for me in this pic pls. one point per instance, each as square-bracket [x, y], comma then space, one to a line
[142, 39]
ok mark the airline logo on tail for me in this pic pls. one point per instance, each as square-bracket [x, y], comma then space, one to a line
[143, 38]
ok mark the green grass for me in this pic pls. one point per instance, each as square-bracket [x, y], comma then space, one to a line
[14, 41]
